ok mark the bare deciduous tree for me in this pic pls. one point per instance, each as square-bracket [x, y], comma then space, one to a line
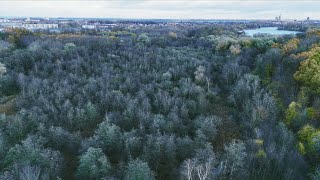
[203, 170]
[30, 173]
[3, 69]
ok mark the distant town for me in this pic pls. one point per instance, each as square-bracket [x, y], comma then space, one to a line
[58, 25]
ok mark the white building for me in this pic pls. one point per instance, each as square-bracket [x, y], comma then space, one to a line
[10, 25]
[4, 20]
[87, 26]
[40, 26]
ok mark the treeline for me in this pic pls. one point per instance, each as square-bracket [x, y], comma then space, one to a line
[200, 103]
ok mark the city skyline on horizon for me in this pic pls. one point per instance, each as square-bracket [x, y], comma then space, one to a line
[150, 9]
[115, 18]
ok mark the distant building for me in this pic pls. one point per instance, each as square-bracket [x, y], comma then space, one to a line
[4, 20]
[27, 25]
[40, 26]
[63, 22]
[278, 18]
[108, 25]
[11, 25]
[87, 26]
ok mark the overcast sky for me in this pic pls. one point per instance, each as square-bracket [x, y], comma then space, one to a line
[181, 9]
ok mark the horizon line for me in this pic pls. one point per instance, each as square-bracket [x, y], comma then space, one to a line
[128, 18]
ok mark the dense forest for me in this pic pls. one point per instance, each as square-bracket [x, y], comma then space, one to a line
[194, 103]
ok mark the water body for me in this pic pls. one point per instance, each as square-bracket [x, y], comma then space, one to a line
[269, 30]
